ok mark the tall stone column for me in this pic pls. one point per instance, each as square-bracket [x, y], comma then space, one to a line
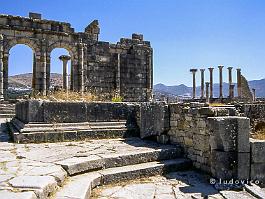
[211, 81]
[202, 83]
[65, 59]
[207, 92]
[220, 81]
[1, 68]
[239, 89]
[230, 80]
[193, 71]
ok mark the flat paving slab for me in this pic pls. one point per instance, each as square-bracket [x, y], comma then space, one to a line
[175, 185]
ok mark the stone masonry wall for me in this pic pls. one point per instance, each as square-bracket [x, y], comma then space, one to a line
[257, 167]
[123, 69]
[189, 127]
[38, 111]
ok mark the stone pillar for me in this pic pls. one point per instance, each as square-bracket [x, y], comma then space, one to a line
[202, 83]
[150, 76]
[220, 81]
[80, 74]
[1, 68]
[254, 94]
[207, 92]
[65, 59]
[230, 80]
[193, 71]
[118, 75]
[41, 69]
[239, 89]
[5, 74]
[211, 82]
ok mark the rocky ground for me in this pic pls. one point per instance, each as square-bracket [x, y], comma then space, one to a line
[30, 171]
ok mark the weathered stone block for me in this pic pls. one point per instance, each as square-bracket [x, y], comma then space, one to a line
[229, 134]
[64, 112]
[153, 120]
[257, 172]
[257, 151]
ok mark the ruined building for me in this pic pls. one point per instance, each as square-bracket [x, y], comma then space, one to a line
[124, 68]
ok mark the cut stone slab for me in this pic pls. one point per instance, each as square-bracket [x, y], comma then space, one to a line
[118, 174]
[4, 194]
[79, 187]
[41, 185]
[77, 165]
[236, 195]
[255, 191]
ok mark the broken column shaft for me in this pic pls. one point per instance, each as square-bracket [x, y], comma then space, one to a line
[207, 92]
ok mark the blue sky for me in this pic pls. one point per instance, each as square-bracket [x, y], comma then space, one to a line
[184, 33]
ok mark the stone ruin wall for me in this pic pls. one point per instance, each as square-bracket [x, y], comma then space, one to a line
[189, 127]
[124, 68]
[217, 141]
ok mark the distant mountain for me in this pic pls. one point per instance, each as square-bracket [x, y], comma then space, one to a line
[173, 91]
[25, 80]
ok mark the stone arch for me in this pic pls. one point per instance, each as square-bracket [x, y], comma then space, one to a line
[10, 42]
[68, 46]
[71, 48]
[33, 44]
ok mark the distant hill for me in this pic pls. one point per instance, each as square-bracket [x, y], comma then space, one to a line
[161, 89]
[25, 80]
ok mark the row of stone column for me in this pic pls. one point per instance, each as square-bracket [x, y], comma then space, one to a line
[209, 85]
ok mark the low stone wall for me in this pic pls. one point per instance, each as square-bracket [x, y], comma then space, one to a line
[70, 112]
[257, 167]
[189, 127]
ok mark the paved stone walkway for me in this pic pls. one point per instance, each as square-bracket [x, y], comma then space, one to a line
[177, 185]
[28, 171]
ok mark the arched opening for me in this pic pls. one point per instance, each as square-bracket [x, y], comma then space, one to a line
[19, 71]
[60, 70]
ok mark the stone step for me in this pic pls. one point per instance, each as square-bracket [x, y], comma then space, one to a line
[77, 165]
[2, 115]
[80, 186]
[73, 135]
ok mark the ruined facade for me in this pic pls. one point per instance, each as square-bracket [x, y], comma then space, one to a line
[124, 68]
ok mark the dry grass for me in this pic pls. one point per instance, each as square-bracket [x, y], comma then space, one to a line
[259, 131]
[216, 104]
[67, 96]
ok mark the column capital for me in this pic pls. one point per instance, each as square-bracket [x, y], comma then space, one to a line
[193, 70]
[220, 66]
[230, 68]
[202, 69]
[238, 69]
[64, 57]
[210, 68]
